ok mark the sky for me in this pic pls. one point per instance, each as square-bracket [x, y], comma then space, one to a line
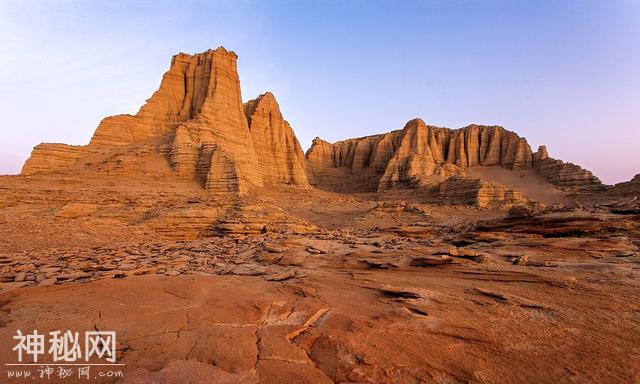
[562, 73]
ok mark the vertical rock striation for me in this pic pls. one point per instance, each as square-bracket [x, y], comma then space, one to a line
[216, 128]
[203, 128]
[184, 89]
[418, 154]
[278, 151]
[196, 121]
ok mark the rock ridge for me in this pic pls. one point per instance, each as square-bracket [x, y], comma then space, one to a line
[197, 124]
[422, 155]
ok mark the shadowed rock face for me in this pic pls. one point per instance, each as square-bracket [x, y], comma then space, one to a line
[628, 187]
[423, 155]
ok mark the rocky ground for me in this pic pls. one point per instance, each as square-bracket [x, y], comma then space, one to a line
[288, 287]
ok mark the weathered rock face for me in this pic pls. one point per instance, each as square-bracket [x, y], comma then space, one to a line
[417, 155]
[422, 155]
[278, 151]
[566, 176]
[198, 121]
[350, 165]
[627, 188]
[468, 191]
[52, 157]
[215, 145]
[190, 81]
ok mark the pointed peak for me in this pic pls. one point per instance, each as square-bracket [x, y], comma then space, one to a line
[265, 101]
[267, 97]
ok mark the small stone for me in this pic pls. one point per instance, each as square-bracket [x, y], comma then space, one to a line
[274, 248]
[249, 270]
[143, 271]
[126, 267]
[268, 257]
[402, 292]
[427, 261]
[521, 260]
[73, 276]
[47, 282]
[519, 212]
[315, 251]
[494, 294]
[8, 278]
[282, 276]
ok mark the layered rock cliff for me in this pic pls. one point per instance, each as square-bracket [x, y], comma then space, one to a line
[469, 191]
[185, 87]
[214, 144]
[49, 157]
[566, 176]
[204, 130]
[278, 151]
[627, 188]
[418, 155]
[197, 127]
[422, 155]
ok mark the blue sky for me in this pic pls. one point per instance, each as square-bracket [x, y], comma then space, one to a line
[561, 73]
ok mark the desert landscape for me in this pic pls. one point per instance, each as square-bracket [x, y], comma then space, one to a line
[219, 252]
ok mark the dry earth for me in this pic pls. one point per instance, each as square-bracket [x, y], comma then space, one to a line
[313, 286]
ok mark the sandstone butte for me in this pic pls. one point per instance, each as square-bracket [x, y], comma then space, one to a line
[197, 121]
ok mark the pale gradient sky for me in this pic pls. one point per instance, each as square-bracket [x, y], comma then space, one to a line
[562, 73]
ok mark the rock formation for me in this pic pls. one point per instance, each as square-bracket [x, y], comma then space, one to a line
[627, 189]
[422, 155]
[565, 175]
[419, 154]
[203, 128]
[48, 157]
[279, 153]
[196, 121]
[192, 81]
[468, 191]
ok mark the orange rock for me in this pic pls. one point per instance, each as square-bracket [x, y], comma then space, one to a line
[197, 121]
[278, 151]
